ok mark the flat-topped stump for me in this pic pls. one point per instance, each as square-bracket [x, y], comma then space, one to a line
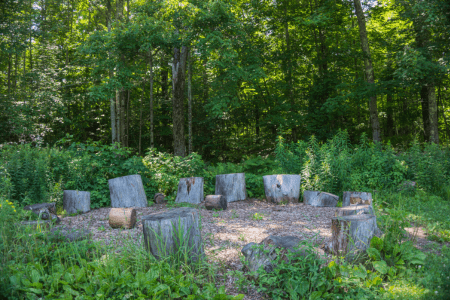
[354, 198]
[231, 186]
[167, 233]
[320, 199]
[190, 190]
[76, 201]
[127, 191]
[282, 188]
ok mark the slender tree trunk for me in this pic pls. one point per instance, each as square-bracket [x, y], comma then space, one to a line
[140, 115]
[112, 103]
[178, 82]
[370, 74]
[190, 101]
[288, 77]
[440, 102]
[152, 145]
[9, 74]
[128, 119]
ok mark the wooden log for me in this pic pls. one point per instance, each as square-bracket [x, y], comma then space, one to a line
[127, 191]
[122, 217]
[215, 202]
[76, 201]
[35, 208]
[231, 186]
[173, 232]
[352, 234]
[159, 198]
[320, 199]
[190, 190]
[354, 198]
[282, 188]
[354, 210]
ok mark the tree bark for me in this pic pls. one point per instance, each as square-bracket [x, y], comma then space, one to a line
[356, 198]
[370, 74]
[127, 191]
[112, 104]
[282, 188]
[178, 82]
[320, 199]
[231, 186]
[190, 190]
[190, 102]
[75, 201]
[122, 217]
[152, 141]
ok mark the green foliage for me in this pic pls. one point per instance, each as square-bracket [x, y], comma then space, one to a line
[336, 166]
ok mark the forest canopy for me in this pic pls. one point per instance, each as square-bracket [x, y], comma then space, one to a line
[215, 76]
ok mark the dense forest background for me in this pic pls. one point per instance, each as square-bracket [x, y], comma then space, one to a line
[223, 78]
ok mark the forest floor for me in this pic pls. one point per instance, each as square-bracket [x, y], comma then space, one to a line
[225, 233]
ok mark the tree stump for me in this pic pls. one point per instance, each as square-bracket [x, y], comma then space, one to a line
[352, 234]
[231, 186]
[172, 232]
[37, 207]
[282, 188]
[76, 201]
[122, 217]
[320, 199]
[190, 190]
[353, 198]
[354, 210]
[215, 202]
[127, 191]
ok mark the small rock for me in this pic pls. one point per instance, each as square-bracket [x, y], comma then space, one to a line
[159, 198]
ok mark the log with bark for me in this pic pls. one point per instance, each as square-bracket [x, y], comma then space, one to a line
[282, 188]
[231, 186]
[217, 202]
[173, 233]
[352, 234]
[359, 209]
[320, 199]
[76, 201]
[127, 191]
[190, 190]
[122, 217]
[354, 198]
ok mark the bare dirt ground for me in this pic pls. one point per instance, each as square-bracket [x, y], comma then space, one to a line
[226, 232]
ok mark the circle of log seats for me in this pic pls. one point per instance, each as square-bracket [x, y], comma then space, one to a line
[320, 199]
[76, 201]
[167, 233]
[215, 202]
[352, 234]
[190, 190]
[354, 198]
[231, 186]
[354, 210]
[122, 217]
[282, 188]
[127, 191]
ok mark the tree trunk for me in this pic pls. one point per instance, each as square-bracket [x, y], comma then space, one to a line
[288, 77]
[152, 141]
[370, 74]
[178, 81]
[190, 103]
[190, 190]
[352, 234]
[112, 104]
[231, 186]
[140, 116]
[282, 188]
[127, 191]
[429, 113]
[75, 201]
[174, 233]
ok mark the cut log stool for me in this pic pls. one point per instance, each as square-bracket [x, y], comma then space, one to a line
[127, 191]
[122, 217]
[354, 198]
[320, 199]
[231, 186]
[282, 188]
[190, 190]
[216, 202]
[354, 210]
[76, 201]
[352, 234]
[159, 198]
[162, 233]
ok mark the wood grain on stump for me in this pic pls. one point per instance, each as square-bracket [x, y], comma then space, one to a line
[127, 191]
[190, 190]
[76, 201]
[354, 198]
[231, 186]
[282, 188]
[215, 202]
[320, 199]
[352, 234]
[122, 217]
[168, 233]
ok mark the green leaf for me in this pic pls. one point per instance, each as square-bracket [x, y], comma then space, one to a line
[381, 266]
